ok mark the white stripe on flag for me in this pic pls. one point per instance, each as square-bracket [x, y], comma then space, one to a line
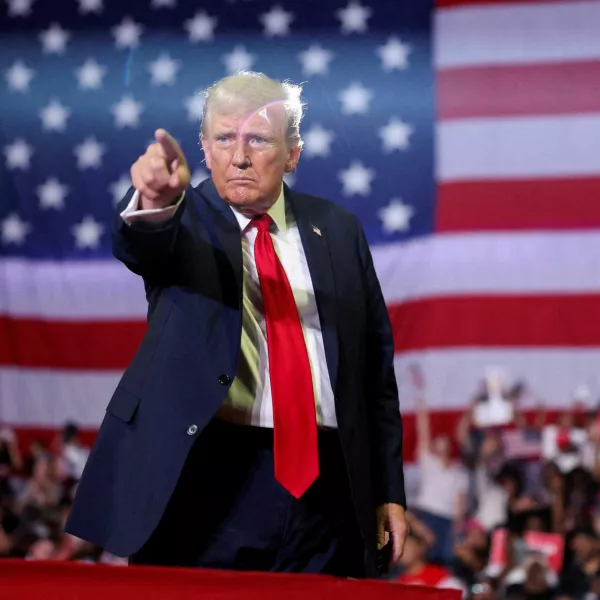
[517, 34]
[518, 147]
[35, 397]
[443, 265]
[452, 376]
[505, 263]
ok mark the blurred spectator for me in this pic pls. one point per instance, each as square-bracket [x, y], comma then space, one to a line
[10, 456]
[471, 553]
[42, 489]
[442, 500]
[415, 569]
[582, 564]
[72, 454]
[533, 580]
[35, 499]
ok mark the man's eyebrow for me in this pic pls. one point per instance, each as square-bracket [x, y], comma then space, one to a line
[247, 133]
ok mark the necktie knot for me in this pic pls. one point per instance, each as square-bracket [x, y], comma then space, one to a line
[262, 222]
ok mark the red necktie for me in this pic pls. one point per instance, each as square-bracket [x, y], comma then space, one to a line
[294, 419]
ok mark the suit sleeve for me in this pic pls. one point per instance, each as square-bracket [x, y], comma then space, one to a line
[384, 410]
[144, 246]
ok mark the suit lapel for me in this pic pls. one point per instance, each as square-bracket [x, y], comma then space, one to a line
[318, 257]
[227, 231]
[226, 236]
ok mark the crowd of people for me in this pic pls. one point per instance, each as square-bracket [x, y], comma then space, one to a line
[513, 512]
[36, 492]
[500, 512]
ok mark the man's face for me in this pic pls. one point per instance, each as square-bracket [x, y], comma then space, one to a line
[248, 157]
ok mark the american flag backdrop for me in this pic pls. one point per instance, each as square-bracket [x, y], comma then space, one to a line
[465, 135]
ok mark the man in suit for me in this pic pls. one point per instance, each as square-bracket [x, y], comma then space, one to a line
[257, 426]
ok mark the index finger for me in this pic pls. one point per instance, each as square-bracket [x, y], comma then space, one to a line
[168, 143]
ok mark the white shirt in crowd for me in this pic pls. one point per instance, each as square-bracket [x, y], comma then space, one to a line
[440, 487]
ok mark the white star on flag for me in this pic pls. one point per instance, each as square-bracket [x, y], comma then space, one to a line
[356, 179]
[14, 229]
[396, 215]
[355, 99]
[52, 194]
[164, 3]
[195, 106]
[19, 8]
[127, 112]
[276, 21]
[395, 135]
[238, 60]
[90, 75]
[354, 17]
[394, 54]
[315, 60]
[164, 70]
[198, 176]
[89, 153]
[90, 6]
[18, 154]
[127, 33]
[317, 141]
[19, 76]
[54, 116]
[54, 40]
[201, 27]
[87, 233]
[120, 187]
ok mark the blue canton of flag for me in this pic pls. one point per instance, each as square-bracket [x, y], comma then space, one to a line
[86, 86]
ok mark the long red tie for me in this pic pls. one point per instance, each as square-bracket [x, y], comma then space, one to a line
[294, 419]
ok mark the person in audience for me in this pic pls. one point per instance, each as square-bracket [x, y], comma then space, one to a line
[442, 499]
[72, 453]
[533, 580]
[582, 562]
[471, 553]
[10, 455]
[42, 489]
[415, 569]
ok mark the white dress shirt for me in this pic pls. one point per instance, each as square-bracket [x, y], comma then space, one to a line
[249, 399]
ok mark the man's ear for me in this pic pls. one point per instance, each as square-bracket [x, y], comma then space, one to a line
[293, 158]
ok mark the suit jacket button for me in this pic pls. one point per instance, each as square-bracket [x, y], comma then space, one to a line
[224, 379]
[192, 430]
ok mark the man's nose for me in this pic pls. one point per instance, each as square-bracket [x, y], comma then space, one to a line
[240, 155]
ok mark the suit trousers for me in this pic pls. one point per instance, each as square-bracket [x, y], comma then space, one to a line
[229, 512]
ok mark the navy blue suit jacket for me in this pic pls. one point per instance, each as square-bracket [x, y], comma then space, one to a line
[192, 270]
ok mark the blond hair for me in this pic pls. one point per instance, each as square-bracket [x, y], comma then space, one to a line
[251, 91]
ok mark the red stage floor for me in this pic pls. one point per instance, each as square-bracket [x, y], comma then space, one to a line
[24, 580]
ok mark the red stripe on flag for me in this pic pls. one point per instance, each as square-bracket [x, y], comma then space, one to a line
[518, 204]
[559, 88]
[500, 321]
[96, 345]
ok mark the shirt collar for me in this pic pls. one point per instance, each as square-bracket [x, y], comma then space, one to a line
[276, 212]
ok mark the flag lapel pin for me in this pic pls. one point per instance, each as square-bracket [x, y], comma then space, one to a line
[316, 230]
